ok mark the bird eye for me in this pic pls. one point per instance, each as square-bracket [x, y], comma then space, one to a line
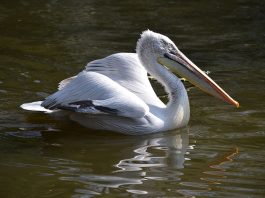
[173, 51]
[164, 43]
[168, 46]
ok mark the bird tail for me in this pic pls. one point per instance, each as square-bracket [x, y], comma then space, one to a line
[35, 106]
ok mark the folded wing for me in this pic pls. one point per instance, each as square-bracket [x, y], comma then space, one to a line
[95, 93]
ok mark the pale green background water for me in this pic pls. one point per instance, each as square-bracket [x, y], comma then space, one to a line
[220, 154]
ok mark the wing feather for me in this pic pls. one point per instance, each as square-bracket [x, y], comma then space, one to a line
[127, 70]
[64, 82]
[95, 93]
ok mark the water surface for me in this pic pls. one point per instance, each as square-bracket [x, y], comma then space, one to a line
[219, 154]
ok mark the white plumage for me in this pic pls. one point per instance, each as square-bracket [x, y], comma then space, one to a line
[114, 93]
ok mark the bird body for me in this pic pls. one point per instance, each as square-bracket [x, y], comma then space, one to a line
[114, 93]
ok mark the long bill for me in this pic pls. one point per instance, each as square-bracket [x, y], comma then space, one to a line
[180, 64]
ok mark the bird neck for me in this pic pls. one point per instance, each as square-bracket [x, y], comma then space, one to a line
[177, 111]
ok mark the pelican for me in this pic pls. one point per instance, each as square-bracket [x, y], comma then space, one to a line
[114, 93]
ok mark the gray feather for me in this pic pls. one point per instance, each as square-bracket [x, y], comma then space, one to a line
[101, 95]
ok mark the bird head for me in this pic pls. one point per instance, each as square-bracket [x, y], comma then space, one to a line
[166, 53]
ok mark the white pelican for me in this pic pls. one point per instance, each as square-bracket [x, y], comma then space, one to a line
[114, 93]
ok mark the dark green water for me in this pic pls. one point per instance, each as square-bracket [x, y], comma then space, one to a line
[220, 154]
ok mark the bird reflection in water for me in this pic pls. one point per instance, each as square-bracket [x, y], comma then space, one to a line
[148, 154]
[155, 157]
